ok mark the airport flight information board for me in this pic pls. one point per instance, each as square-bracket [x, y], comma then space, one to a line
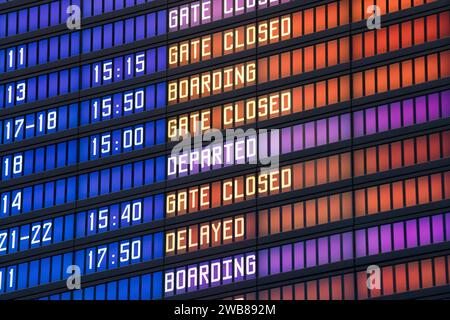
[224, 149]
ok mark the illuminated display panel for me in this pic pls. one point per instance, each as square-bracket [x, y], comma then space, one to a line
[88, 177]
[310, 134]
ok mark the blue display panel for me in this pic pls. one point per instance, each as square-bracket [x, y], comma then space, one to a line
[82, 186]
[84, 77]
[87, 112]
[81, 224]
[104, 257]
[72, 152]
[91, 39]
[143, 287]
[55, 13]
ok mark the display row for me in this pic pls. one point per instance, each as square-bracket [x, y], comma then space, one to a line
[373, 120]
[218, 193]
[186, 16]
[300, 255]
[402, 153]
[399, 36]
[326, 54]
[400, 74]
[244, 38]
[339, 207]
[308, 97]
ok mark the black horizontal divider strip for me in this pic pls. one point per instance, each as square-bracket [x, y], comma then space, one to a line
[288, 277]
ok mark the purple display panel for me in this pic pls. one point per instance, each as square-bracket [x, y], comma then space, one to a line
[335, 248]
[424, 231]
[372, 240]
[411, 234]
[360, 243]
[275, 259]
[263, 263]
[386, 238]
[323, 251]
[286, 262]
